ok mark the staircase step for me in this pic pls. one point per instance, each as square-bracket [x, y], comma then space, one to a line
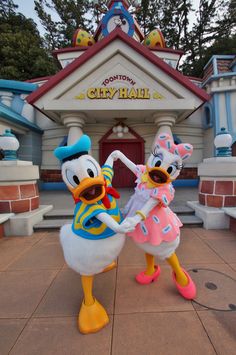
[52, 223]
[60, 213]
[182, 209]
[69, 213]
[57, 223]
[190, 220]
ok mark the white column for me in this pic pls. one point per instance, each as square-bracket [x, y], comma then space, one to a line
[27, 110]
[164, 122]
[75, 122]
[6, 97]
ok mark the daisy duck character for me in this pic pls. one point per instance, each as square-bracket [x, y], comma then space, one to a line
[157, 229]
[95, 238]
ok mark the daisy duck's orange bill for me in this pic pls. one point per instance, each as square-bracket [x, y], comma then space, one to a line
[158, 176]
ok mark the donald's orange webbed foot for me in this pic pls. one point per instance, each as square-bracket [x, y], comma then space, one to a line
[92, 318]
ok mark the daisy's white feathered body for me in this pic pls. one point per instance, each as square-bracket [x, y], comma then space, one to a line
[157, 228]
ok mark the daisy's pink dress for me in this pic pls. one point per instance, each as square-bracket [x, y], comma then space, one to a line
[161, 225]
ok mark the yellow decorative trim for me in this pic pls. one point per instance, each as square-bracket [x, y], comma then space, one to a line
[141, 214]
[156, 95]
[80, 96]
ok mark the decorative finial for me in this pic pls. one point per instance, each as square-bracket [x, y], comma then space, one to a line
[223, 142]
[9, 144]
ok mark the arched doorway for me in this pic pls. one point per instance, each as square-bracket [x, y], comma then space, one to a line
[132, 147]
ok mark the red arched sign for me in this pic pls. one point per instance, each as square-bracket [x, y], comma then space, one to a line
[133, 148]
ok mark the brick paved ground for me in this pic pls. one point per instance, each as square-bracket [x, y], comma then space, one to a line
[40, 298]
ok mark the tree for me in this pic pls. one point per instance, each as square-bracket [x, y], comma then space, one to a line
[174, 21]
[220, 46]
[149, 15]
[72, 14]
[171, 17]
[215, 20]
[7, 7]
[22, 55]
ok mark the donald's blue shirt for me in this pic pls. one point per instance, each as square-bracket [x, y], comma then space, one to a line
[85, 223]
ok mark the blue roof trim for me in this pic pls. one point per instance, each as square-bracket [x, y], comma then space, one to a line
[220, 56]
[17, 86]
[7, 113]
[218, 76]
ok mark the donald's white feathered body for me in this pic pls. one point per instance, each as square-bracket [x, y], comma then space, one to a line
[85, 249]
[93, 241]
[89, 257]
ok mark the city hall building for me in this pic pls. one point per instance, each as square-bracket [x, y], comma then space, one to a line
[122, 90]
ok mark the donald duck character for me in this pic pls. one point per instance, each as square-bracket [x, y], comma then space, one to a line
[95, 238]
[157, 229]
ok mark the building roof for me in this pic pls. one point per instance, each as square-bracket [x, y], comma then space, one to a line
[14, 117]
[220, 57]
[42, 78]
[17, 86]
[99, 46]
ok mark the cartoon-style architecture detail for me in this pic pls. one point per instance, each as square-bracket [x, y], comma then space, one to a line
[220, 83]
[94, 240]
[155, 39]
[157, 229]
[82, 38]
[117, 75]
[118, 17]
[100, 84]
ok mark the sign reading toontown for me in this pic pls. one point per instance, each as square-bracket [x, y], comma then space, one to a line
[117, 91]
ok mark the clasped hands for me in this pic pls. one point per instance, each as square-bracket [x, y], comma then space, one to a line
[129, 224]
[116, 154]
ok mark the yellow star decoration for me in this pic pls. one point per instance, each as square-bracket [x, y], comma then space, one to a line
[157, 96]
[80, 97]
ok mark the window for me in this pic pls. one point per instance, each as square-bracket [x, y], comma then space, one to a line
[177, 140]
[207, 116]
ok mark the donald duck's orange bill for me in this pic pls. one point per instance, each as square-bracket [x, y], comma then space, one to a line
[90, 190]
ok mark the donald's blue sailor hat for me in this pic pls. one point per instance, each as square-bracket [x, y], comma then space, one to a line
[81, 147]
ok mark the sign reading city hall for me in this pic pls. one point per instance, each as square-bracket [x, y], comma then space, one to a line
[125, 93]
